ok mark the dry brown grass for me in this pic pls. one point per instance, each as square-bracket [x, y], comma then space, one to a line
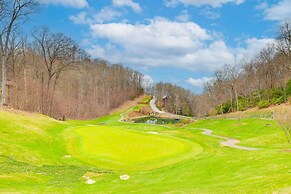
[278, 110]
[127, 105]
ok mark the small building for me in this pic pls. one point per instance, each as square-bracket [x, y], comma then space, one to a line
[165, 97]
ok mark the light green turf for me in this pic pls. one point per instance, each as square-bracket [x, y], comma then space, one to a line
[116, 148]
[34, 158]
[251, 132]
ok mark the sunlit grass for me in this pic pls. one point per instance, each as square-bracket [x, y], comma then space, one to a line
[41, 155]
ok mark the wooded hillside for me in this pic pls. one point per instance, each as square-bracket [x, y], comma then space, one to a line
[261, 81]
[48, 72]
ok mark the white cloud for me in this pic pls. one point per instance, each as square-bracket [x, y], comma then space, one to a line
[165, 43]
[208, 13]
[147, 81]
[263, 5]
[106, 14]
[161, 43]
[184, 16]
[97, 51]
[81, 18]
[159, 34]
[67, 3]
[253, 47]
[127, 3]
[198, 83]
[277, 12]
[198, 3]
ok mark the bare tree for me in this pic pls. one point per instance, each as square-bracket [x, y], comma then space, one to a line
[59, 53]
[11, 13]
[284, 40]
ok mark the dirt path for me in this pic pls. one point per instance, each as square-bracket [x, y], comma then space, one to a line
[123, 115]
[228, 142]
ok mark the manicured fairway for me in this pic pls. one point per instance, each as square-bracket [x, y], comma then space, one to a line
[41, 155]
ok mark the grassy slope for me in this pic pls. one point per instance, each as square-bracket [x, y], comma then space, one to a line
[32, 150]
[251, 132]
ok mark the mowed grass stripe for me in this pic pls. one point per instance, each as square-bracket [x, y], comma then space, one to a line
[116, 148]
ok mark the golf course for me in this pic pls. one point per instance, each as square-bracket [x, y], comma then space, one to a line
[39, 154]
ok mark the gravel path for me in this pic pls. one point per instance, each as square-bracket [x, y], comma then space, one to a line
[154, 107]
[229, 142]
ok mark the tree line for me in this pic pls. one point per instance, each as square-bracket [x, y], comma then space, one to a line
[48, 72]
[261, 81]
[175, 99]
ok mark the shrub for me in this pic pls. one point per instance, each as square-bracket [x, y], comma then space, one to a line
[212, 112]
[264, 104]
[186, 121]
[242, 104]
[276, 93]
[279, 100]
[288, 88]
[225, 108]
[253, 102]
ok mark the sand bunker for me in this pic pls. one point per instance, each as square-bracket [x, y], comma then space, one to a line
[152, 132]
[124, 177]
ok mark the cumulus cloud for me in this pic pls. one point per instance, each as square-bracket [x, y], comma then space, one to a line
[198, 3]
[208, 13]
[184, 16]
[198, 82]
[253, 46]
[147, 81]
[165, 43]
[128, 3]
[67, 3]
[160, 34]
[106, 14]
[277, 12]
[161, 43]
[80, 18]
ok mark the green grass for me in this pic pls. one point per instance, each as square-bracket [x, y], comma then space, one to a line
[33, 150]
[251, 132]
[119, 149]
[146, 100]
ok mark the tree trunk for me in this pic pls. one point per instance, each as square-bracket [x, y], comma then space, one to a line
[25, 87]
[286, 130]
[236, 98]
[4, 81]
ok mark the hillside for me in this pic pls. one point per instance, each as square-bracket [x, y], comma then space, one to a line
[41, 155]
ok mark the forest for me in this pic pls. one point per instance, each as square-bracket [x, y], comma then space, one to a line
[48, 72]
[262, 81]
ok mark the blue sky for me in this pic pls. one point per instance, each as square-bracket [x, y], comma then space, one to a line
[177, 41]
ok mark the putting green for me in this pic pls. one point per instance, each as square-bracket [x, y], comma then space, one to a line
[117, 148]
